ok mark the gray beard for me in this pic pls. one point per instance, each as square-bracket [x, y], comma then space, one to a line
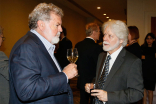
[55, 39]
[111, 48]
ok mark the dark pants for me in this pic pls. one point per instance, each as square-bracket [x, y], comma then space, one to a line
[84, 97]
[138, 102]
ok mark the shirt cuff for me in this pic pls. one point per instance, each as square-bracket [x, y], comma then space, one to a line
[66, 77]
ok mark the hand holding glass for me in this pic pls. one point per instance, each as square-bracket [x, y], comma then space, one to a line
[72, 55]
[93, 87]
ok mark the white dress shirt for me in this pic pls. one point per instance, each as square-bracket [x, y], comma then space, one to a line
[112, 60]
[50, 48]
[90, 38]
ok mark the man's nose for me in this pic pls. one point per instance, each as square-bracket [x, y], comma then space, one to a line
[60, 29]
[104, 37]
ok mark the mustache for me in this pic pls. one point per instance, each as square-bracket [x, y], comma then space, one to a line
[58, 34]
[105, 43]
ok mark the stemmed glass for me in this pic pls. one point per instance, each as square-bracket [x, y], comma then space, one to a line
[93, 88]
[72, 55]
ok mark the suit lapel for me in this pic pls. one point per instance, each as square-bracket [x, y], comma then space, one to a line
[44, 51]
[119, 60]
[101, 63]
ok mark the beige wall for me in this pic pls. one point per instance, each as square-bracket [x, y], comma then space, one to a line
[75, 25]
[139, 13]
[14, 20]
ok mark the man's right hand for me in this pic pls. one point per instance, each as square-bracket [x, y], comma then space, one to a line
[70, 70]
[88, 86]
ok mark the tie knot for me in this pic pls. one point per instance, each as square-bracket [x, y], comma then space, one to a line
[108, 57]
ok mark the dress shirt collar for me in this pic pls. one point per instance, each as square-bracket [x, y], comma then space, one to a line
[115, 54]
[90, 38]
[46, 43]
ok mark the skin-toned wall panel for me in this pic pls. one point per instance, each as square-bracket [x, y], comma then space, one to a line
[14, 20]
[139, 13]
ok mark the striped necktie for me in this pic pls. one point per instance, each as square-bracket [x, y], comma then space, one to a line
[103, 78]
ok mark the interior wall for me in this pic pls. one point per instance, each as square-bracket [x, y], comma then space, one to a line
[75, 26]
[139, 13]
[14, 20]
[0, 11]
[73, 22]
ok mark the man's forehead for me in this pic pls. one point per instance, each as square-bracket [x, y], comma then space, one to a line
[55, 15]
[56, 18]
[107, 29]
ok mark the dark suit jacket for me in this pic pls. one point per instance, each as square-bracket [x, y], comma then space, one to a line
[34, 78]
[4, 78]
[124, 83]
[135, 49]
[88, 52]
[61, 54]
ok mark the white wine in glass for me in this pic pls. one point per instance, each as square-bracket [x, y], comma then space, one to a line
[72, 59]
[72, 55]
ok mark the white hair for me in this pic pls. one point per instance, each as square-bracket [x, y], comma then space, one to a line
[119, 28]
[42, 12]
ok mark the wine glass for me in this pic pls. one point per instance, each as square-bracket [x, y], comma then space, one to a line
[72, 55]
[93, 87]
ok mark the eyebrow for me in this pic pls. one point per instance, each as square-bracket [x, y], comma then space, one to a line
[58, 23]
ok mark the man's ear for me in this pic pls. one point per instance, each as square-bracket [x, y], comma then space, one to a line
[121, 41]
[40, 25]
[93, 33]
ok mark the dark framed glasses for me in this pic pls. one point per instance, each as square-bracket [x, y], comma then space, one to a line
[3, 38]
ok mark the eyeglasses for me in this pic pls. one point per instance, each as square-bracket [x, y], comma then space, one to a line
[3, 38]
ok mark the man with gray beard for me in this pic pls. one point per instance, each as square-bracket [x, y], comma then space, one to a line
[119, 73]
[35, 75]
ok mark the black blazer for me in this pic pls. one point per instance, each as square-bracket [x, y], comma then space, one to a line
[135, 49]
[88, 52]
[148, 64]
[61, 54]
[34, 78]
[124, 84]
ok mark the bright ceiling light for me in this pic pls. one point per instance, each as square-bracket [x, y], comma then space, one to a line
[107, 17]
[104, 14]
[98, 7]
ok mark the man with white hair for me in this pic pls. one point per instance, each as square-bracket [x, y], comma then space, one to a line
[119, 73]
[35, 75]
